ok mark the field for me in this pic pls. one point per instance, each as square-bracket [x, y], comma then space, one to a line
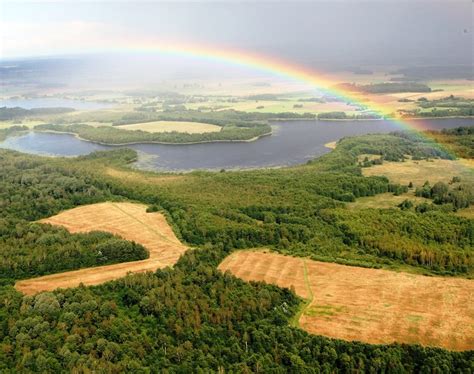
[279, 106]
[418, 172]
[127, 220]
[385, 201]
[370, 305]
[169, 126]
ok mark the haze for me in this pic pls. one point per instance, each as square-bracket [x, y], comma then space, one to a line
[314, 33]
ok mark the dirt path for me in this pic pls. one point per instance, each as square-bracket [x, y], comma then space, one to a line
[295, 321]
[129, 221]
[370, 305]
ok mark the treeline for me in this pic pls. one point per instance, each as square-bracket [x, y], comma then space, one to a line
[115, 135]
[12, 130]
[446, 112]
[458, 195]
[189, 319]
[433, 240]
[459, 141]
[386, 87]
[447, 102]
[18, 113]
[344, 116]
[220, 118]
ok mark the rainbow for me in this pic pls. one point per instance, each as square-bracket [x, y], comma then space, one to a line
[268, 64]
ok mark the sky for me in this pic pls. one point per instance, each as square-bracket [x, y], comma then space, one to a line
[317, 32]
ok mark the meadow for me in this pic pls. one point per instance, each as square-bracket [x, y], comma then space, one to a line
[420, 171]
[173, 126]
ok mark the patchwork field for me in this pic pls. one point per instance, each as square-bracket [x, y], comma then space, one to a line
[170, 126]
[370, 305]
[127, 220]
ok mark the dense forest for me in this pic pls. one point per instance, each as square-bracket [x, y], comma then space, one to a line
[30, 250]
[192, 318]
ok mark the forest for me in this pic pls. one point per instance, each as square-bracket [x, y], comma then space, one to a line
[192, 318]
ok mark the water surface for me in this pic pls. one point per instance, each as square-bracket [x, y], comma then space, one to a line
[292, 142]
[50, 102]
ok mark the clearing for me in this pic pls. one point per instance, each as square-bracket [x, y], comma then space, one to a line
[127, 220]
[418, 172]
[370, 305]
[170, 126]
[386, 201]
[130, 175]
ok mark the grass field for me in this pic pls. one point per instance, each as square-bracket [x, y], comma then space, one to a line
[385, 201]
[370, 305]
[146, 177]
[418, 172]
[466, 213]
[127, 220]
[169, 126]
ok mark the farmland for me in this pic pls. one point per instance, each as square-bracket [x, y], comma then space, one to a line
[170, 126]
[371, 305]
[129, 221]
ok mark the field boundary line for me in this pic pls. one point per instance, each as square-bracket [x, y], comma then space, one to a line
[144, 224]
[295, 321]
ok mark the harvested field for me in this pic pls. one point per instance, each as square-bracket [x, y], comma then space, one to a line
[170, 126]
[371, 305]
[129, 221]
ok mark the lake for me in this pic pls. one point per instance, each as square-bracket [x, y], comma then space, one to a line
[52, 102]
[292, 142]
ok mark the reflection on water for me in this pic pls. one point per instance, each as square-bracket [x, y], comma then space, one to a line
[293, 142]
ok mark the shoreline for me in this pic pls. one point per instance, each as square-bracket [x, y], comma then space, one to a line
[153, 142]
[331, 145]
[368, 119]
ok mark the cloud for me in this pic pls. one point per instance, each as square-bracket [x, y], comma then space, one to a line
[34, 39]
